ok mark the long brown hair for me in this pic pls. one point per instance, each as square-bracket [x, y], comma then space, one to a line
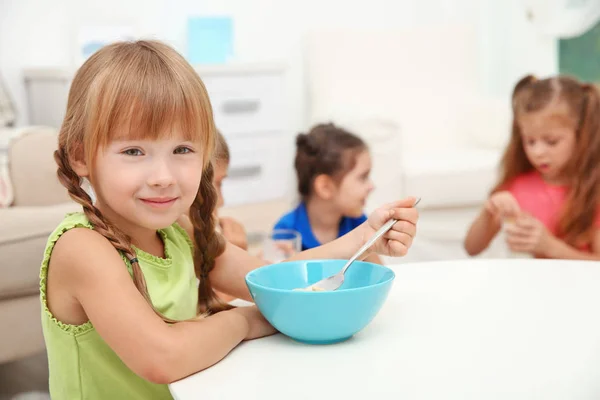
[148, 90]
[326, 149]
[582, 103]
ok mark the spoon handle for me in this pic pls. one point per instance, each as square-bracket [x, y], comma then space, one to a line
[386, 227]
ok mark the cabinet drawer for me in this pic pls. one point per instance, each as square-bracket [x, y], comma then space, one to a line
[245, 104]
[259, 169]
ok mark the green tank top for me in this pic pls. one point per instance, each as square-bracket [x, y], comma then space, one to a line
[81, 364]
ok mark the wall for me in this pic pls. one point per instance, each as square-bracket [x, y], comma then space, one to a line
[42, 33]
[511, 47]
[579, 56]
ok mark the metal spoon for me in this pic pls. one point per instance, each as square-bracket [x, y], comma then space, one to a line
[335, 281]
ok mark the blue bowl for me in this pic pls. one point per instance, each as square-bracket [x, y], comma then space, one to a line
[319, 317]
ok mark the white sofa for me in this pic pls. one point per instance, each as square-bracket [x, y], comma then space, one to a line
[413, 94]
[39, 203]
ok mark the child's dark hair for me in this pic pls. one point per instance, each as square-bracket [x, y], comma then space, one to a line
[325, 150]
[579, 104]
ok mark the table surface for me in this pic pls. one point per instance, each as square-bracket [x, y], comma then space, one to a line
[464, 329]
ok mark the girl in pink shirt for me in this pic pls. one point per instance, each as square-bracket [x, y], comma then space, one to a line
[550, 177]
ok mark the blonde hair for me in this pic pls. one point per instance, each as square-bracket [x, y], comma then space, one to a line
[142, 90]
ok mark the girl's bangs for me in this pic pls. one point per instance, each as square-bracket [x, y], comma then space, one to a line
[151, 101]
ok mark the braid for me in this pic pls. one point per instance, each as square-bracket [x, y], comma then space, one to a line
[118, 239]
[209, 244]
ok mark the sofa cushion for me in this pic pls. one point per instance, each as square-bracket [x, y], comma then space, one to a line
[21, 328]
[33, 169]
[418, 77]
[486, 123]
[23, 235]
[451, 178]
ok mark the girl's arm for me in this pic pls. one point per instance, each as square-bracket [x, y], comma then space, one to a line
[481, 233]
[530, 235]
[157, 351]
[559, 249]
[229, 274]
[232, 266]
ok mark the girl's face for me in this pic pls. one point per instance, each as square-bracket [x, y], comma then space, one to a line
[352, 192]
[221, 168]
[548, 141]
[147, 183]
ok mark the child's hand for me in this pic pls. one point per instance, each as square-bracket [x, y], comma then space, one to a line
[398, 239]
[528, 235]
[502, 205]
[234, 232]
[258, 326]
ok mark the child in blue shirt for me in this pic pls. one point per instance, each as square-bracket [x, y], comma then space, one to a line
[332, 167]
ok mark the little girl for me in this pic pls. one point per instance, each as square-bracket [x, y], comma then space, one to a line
[332, 168]
[127, 285]
[549, 188]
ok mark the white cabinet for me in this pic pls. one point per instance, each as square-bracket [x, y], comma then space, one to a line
[47, 91]
[249, 109]
[246, 100]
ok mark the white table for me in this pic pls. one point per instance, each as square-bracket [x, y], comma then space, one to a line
[465, 329]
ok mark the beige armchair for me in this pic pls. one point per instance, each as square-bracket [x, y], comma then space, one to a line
[40, 203]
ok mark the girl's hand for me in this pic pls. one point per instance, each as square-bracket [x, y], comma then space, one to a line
[528, 235]
[234, 232]
[258, 326]
[399, 238]
[502, 205]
